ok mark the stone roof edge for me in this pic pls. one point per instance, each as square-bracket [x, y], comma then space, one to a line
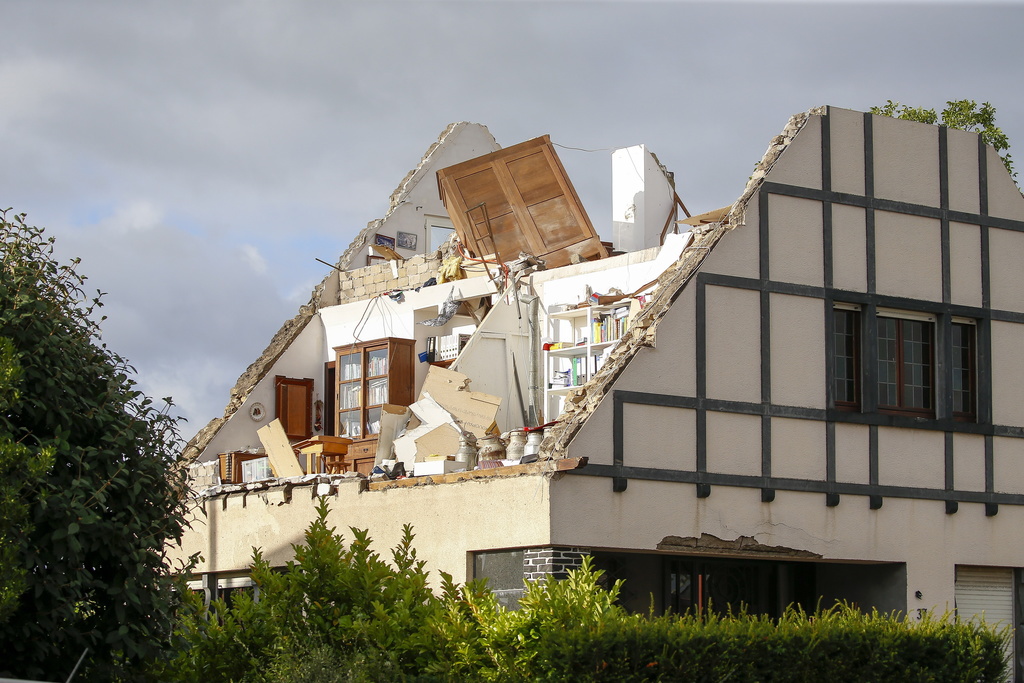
[411, 179]
[583, 402]
[252, 376]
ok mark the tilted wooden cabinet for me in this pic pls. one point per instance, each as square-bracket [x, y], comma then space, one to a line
[519, 199]
[368, 375]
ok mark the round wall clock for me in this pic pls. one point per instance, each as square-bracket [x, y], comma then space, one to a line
[257, 412]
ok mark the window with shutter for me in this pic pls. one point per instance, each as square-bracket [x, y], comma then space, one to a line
[295, 406]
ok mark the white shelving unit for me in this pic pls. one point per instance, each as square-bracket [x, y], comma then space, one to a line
[584, 335]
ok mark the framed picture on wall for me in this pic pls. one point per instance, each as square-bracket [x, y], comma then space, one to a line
[384, 241]
[407, 240]
[374, 260]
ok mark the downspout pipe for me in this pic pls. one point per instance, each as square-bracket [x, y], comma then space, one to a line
[535, 391]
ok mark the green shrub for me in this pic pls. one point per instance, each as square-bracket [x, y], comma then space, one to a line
[335, 605]
[341, 613]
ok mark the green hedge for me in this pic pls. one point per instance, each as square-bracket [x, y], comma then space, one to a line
[341, 613]
[572, 630]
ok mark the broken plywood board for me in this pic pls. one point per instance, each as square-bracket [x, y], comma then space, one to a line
[282, 458]
[519, 199]
[443, 440]
[473, 410]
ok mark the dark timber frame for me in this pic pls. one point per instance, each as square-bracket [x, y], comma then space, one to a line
[870, 301]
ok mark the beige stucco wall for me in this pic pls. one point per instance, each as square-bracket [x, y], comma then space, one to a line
[449, 521]
[908, 256]
[906, 156]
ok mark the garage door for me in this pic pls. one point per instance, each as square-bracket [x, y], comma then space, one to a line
[986, 593]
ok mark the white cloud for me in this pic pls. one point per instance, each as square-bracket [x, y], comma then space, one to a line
[252, 258]
[136, 215]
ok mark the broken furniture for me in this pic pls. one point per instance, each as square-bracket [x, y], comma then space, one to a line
[369, 375]
[325, 454]
[282, 456]
[519, 199]
[234, 467]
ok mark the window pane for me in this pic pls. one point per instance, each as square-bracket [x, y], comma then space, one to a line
[845, 356]
[917, 354]
[887, 362]
[963, 368]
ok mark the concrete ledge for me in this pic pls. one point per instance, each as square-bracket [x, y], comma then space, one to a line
[541, 467]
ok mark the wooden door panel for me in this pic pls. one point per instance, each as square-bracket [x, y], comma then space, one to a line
[506, 235]
[484, 187]
[560, 225]
[533, 179]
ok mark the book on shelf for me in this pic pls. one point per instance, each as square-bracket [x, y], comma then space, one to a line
[445, 347]
[377, 364]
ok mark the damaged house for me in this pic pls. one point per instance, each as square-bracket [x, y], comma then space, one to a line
[812, 395]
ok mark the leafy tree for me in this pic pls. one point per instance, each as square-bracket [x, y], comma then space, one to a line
[961, 114]
[21, 470]
[91, 552]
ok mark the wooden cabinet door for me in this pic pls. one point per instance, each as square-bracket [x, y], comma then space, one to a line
[519, 199]
[294, 399]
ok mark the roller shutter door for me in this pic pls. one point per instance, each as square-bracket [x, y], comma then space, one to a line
[987, 593]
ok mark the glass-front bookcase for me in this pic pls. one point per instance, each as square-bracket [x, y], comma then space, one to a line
[370, 374]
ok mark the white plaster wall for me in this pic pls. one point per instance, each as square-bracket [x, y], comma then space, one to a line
[627, 272]
[1006, 254]
[1008, 464]
[908, 256]
[1008, 377]
[449, 520]
[846, 133]
[642, 199]
[304, 358]
[798, 448]
[965, 264]
[383, 317]
[962, 150]
[797, 351]
[466, 141]
[800, 163]
[487, 359]
[733, 344]
[1004, 198]
[737, 253]
[969, 462]
[660, 437]
[906, 156]
[911, 457]
[795, 240]
[852, 443]
[733, 443]
[585, 512]
[849, 248]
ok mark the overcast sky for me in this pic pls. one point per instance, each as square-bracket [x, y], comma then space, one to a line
[199, 155]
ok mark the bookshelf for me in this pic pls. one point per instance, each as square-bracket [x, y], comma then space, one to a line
[370, 374]
[580, 338]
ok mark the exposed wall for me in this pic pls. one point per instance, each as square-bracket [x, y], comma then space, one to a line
[450, 521]
[299, 361]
